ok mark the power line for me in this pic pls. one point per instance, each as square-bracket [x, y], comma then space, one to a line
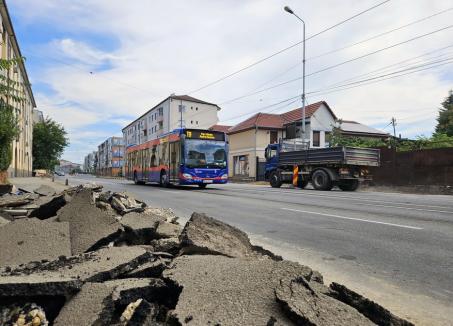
[384, 75]
[383, 79]
[381, 34]
[337, 65]
[283, 50]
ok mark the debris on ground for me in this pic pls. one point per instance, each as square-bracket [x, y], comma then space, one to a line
[28, 314]
[88, 257]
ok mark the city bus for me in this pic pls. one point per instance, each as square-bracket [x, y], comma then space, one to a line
[181, 157]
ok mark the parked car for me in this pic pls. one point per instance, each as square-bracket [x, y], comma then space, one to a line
[59, 173]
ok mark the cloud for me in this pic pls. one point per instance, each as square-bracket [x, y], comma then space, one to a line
[115, 61]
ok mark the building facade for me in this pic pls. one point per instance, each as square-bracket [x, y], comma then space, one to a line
[22, 162]
[168, 115]
[67, 167]
[110, 157]
[89, 163]
[248, 140]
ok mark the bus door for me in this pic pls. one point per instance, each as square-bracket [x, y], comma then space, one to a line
[143, 163]
[175, 160]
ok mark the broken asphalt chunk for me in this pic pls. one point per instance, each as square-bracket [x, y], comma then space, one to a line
[90, 227]
[305, 304]
[205, 235]
[371, 309]
[230, 291]
[25, 240]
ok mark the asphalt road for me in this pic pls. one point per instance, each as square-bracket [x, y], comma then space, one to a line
[376, 242]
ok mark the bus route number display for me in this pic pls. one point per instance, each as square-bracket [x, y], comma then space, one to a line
[200, 134]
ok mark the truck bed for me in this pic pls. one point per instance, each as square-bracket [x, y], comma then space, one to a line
[332, 155]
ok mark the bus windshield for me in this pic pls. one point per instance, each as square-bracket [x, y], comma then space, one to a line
[205, 153]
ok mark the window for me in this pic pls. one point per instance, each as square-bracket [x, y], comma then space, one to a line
[196, 109]
[191, 121]
[191, 108]
[161, 125]
[316, 138]
[196, 122]
[273, 137]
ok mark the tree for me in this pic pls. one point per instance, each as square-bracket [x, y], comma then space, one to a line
[10, 94]
[338, 139]
[49, 142]
[445, 119]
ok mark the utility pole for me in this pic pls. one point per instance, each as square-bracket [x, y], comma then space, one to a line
[180, 110]
[393, 122]
[289, 10]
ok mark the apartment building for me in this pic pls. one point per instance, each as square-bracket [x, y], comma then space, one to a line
[88, 163]
[22, 162]
[110, 157]
[173, 112]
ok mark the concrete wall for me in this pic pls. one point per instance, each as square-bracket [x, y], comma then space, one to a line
[422, 167]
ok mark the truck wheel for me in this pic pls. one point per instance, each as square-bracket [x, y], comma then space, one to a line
[302, 183]
[275, 180]
[321, 180]
[348, 185]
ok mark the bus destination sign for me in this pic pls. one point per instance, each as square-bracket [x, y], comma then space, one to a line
[204, 134]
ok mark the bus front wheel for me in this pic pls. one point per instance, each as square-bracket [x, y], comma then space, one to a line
[163, 179]
[202, 185]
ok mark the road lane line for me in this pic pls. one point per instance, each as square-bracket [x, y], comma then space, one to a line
[362, 200]
[354, 219]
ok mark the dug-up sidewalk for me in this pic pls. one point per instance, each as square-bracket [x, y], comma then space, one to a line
[87, 257]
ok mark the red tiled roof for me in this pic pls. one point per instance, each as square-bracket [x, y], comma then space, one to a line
[277, 121]
[221, 128]
[259, 120]
[296, 114]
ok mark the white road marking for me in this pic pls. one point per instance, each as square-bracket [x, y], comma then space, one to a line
[355, 219]
[360, 200]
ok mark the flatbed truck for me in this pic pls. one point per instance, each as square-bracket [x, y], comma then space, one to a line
[324, 168]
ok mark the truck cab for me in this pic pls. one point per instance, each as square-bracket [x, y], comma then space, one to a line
[271, 155]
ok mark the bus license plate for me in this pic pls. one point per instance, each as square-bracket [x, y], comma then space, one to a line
[207, 181]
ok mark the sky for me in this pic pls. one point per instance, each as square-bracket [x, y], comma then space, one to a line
[96, 65]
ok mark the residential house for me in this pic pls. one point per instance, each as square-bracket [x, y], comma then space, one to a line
[249, 139]
[173, 112]
[355, 129]
[221, 128]
[111, 157]
[21, 164]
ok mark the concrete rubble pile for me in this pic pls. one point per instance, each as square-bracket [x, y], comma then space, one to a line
[87, 257]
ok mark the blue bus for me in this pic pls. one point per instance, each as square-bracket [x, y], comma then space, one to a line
[181, 157]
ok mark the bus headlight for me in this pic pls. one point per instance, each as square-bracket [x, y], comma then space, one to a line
[187, 176]
[224, 177]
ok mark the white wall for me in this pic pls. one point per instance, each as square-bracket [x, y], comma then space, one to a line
[322, 120]
[195, 115]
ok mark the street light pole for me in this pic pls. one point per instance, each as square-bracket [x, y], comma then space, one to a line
[289, 10]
